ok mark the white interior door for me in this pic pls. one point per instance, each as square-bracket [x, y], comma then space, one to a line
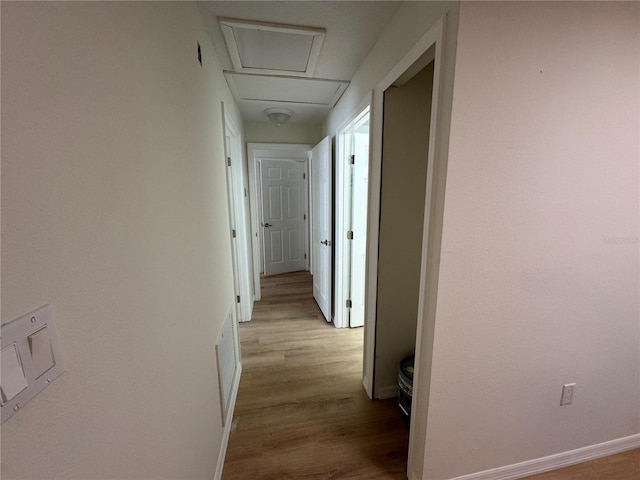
[360, 190]
[322, 225]
[239, 223]
[283, 217]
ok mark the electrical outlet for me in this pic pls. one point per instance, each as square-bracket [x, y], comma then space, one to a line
[567, 393]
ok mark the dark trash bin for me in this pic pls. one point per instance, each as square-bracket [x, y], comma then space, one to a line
[405, 387]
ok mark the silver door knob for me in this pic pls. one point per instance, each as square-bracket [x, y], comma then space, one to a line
[268, 225]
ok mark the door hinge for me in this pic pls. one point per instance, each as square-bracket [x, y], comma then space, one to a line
[352, 159]
[304, 217]
[237, 298]
[228, 161]
[348, 303]
[350, 235]
[304, 176]
[305, 256]
[233, 232]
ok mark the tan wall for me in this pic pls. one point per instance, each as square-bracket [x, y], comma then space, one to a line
[114, 211]
[405, 143]
[539, 273]
[266, 132]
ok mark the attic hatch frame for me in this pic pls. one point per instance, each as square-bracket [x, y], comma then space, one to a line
[229, 25]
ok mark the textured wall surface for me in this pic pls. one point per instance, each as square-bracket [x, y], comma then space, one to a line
[264, 132]
[114, 211]
[539, 274]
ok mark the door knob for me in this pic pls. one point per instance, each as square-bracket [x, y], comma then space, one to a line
[326, 242]
[268, 225]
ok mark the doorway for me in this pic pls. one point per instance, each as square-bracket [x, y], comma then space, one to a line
[405, 143]
[428, 49]
[352, 188]
[256, 153]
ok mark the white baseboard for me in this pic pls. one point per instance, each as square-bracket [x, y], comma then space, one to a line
[559, 460]
[390, 391]
[228, 423]
[365, 384]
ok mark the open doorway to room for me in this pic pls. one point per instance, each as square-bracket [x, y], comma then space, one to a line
[260, 158]
[405, 146]
[352, 193]
[420, 70]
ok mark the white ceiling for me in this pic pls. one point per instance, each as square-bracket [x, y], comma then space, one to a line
[352, 28]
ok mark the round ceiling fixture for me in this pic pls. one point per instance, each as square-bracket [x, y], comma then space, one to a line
[278, 115]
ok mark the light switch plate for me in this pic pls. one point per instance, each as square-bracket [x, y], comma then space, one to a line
[33, 336]
[13, 381]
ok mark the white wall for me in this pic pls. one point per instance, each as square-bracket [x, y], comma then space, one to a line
[114, 211]
[267, 132]
[405, 144]
[408, 25]
[542, 174]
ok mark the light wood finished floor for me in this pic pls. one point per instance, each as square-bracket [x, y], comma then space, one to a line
[301, 412]
[623, 466]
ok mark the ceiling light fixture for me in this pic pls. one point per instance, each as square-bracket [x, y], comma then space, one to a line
[278, 115]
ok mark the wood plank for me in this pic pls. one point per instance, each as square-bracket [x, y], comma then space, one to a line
[301, 411]
[622, 466]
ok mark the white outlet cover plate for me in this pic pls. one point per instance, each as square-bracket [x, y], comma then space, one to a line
[567, 393]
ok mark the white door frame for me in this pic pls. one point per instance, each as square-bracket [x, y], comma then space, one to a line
[430, 243]
[256, 151]
[343, 216]
[237, 219]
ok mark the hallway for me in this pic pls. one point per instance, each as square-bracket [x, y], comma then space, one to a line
[301, 410]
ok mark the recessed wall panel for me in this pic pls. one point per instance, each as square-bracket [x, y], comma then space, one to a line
[275, 202]
[274, 173]
[293, 203]
[277, 255]
[294, 245]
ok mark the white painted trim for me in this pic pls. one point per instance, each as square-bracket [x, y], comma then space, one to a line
[420, 401]
[373, 231]
[328, 103]
[255, 151]
[388, 391]
[237, 218]
[228, 424]
[366, 384]
[343, 208]
[559, 460]
[434, 36]
[228, 24]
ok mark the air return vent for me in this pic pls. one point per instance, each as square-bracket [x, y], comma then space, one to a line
[228, 362]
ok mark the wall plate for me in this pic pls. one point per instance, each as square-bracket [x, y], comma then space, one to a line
[31, 359]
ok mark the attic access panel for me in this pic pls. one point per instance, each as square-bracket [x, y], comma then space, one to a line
[270, 48]
[309, 91]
